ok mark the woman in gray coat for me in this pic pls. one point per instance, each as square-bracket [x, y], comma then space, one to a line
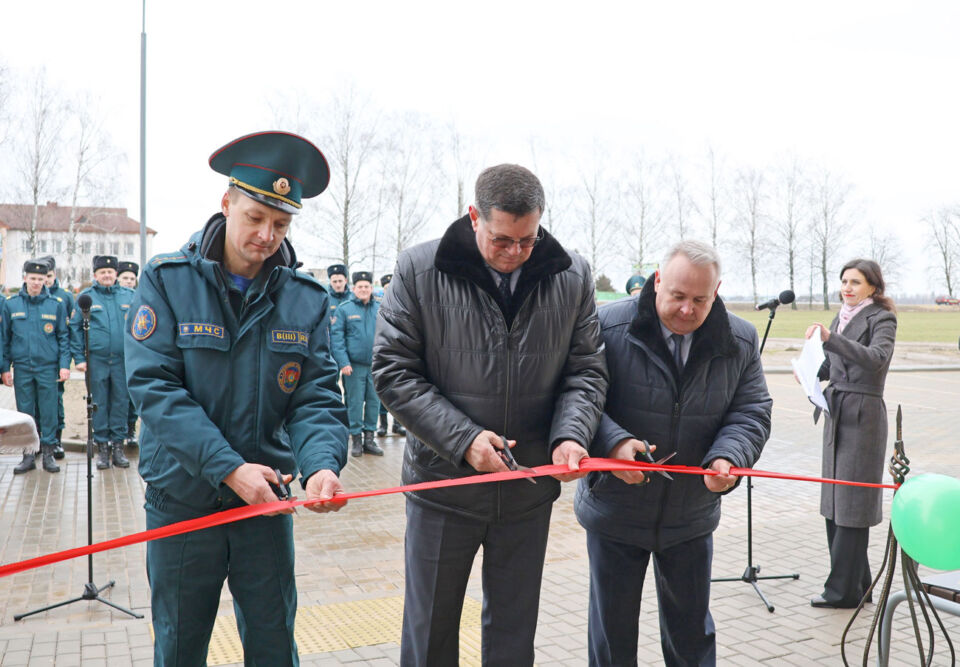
[858, 347]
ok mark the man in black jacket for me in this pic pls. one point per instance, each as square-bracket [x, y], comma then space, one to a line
[685, 376]
[486, 338]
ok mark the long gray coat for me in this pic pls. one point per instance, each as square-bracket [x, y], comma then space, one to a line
[855, 433]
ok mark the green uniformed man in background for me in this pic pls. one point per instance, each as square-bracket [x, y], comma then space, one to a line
[108, 383]
[397, 426]
[635, 284]
[228, 363]
[351, 341]
[127, 277]
[36, 341]
[66, 298]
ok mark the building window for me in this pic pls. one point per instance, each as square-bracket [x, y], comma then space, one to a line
[86, 247]
[26, 244]
[115, 247]
[58, 246]
[43, 246]
[101, 247]
[128, 248]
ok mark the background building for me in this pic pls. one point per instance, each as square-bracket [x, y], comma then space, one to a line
[72, 239]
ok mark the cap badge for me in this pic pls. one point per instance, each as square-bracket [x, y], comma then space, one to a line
[281, 186]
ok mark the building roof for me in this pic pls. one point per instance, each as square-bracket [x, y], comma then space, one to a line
[54, 218]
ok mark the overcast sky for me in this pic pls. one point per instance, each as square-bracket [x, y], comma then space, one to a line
[866, 89]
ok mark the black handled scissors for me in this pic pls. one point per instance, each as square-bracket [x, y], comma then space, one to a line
[282, 490]
[645, 455]
[511, 462]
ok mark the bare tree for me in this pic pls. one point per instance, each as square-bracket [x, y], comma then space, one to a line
[945, 242]
[95, 161]
[598, 217]
[885, 250]
[560, 197]
[37, 149]
[644, 222]
[748, 199]
[683, 204]
[789, 199]
[828, 198]
[5, 97]
[715, 196]
[351, 143]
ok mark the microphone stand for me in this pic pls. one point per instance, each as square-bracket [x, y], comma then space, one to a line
[751, 574]
[90, 589]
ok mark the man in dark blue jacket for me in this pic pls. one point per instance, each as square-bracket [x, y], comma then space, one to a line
[685, 376]
[66, 298]
[229, 367]
[37, 342]
[127, 277]
[108, 383]
[351, 339]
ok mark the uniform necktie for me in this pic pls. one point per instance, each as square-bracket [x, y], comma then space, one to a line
[677, 350]
[504, 287]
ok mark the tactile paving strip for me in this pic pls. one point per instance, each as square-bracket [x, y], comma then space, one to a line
[335, 627]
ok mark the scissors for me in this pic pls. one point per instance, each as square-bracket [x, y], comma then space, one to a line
[511, 462]
[281, 489]
[645, 455]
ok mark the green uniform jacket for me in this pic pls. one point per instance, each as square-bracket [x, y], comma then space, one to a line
[35, 334]
[351, 332]
[108, 314]
[215, 389]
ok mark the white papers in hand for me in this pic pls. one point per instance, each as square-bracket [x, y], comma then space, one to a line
[806, 367]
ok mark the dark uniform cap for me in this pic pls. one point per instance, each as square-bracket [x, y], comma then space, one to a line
[50, 262]
[275, 168]
[35, 266]
[132, 267]
[362, 275]
[334, 269]
[385, 279]
[635, 282]
[104, 262]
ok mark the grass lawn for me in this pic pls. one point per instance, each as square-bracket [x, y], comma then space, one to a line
[913, 326]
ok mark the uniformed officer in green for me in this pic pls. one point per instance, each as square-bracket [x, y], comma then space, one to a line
[127, 277]
[337, 274]
[108, 383]
[397, 426]
[229, 366]
[36, 341]
[351, 337]
[635, 284]
[66, 298]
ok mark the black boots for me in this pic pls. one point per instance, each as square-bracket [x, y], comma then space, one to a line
[28, 463]
[58, 448]
[398, 428]
[382, 430]
[356, 446]
[369, 446]
[119, 460]
[103, 455]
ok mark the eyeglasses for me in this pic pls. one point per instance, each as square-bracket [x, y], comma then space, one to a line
[504, 242]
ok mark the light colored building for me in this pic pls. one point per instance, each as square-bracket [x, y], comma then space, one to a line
[98, 231]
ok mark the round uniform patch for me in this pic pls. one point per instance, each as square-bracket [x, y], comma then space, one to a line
[144, 323]
[48, 327]
[289, 376]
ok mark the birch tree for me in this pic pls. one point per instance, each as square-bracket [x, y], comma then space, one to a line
[829, 195]
[644, 216]
[748, 199]
[788, 219]
[944, 241]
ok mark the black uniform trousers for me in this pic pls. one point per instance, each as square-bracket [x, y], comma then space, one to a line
[682, 575]
[849, 576]
[440, 548]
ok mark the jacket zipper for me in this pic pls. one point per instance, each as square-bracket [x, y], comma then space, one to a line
[674, 428]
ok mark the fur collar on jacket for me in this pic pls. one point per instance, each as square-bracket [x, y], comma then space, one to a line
[714, 336]
[459, 256]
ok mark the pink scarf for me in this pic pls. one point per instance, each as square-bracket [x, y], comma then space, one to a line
[847, 313]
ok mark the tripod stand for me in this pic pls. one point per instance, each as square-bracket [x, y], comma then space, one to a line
[90, 589]
[751, 574]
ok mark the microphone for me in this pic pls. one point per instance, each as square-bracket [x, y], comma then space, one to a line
[84, 302]
[786, 296]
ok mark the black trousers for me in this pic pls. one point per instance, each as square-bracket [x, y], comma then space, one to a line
[849, 576]
[617, 571]
[440, 548]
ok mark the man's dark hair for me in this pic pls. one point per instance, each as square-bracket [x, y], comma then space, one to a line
[510, 188]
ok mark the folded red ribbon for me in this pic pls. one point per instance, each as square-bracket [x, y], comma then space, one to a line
[240, 513]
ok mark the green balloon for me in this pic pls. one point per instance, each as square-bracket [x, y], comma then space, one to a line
[926, 520]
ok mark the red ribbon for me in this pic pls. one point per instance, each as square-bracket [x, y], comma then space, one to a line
[248, 511]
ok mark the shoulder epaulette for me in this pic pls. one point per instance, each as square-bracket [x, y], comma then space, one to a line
[60, 299]
[168, 258]
[11, 296]
[310, 280]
